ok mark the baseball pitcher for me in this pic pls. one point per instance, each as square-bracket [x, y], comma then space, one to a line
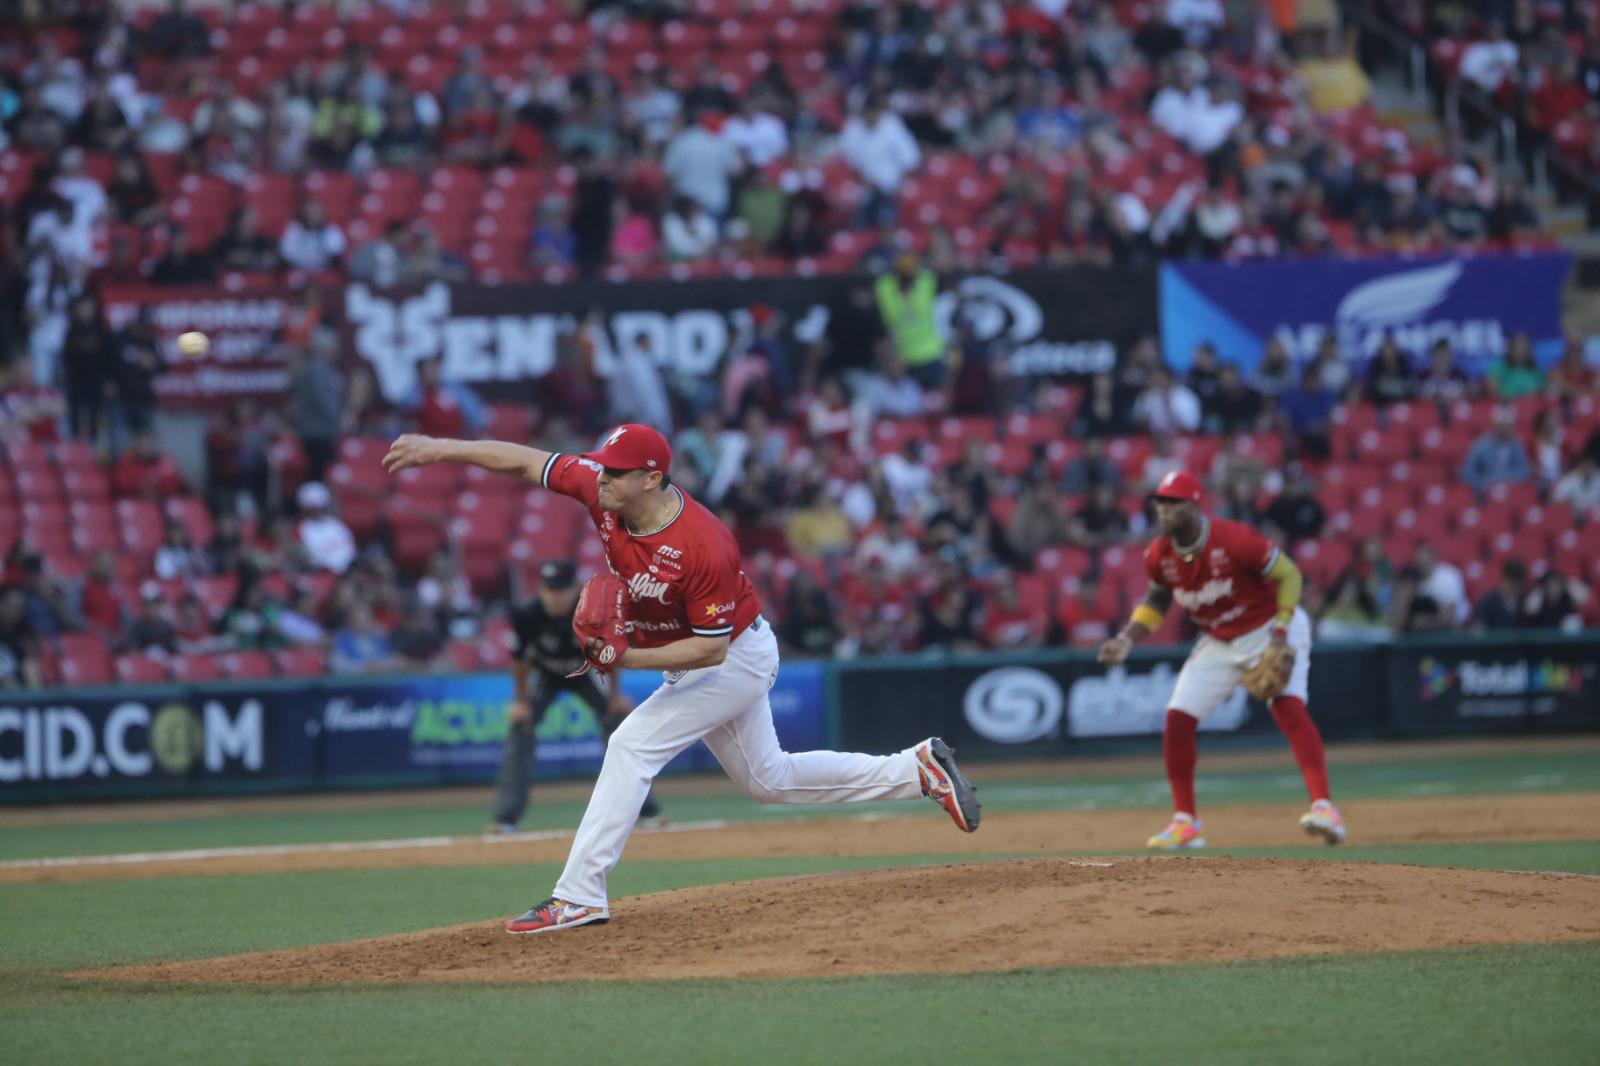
[677, 601]
[1244, 594]
[546, 656]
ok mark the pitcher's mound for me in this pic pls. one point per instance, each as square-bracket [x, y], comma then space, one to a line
[968, 917]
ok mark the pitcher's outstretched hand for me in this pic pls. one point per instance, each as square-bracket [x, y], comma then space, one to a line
[407, 451]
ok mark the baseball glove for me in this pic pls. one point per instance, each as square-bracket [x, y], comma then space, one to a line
[600, 617]
[1267, 678]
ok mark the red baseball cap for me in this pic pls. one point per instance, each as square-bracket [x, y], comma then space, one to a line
[1179, 485]
[634, 446]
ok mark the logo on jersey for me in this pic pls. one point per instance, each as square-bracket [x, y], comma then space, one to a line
[645, 587]
[1207, 594]
[668, 552]
[607, 654]
[719, 608]
[653, 627]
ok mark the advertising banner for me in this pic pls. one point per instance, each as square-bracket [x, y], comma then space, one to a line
[1474, 303]
[244, 357]
[161, 741]
[386, 731]
[1041, 703]
[1055, 323]
[1493, 687]
[1051, 702]
[450, 729]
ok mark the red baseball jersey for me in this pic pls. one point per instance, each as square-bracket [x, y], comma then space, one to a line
[1223, 585]
[682, 579]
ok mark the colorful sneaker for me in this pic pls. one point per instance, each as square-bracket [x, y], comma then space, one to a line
[555, 914]
[943, 783]
[1182, 832]
[1323, 820]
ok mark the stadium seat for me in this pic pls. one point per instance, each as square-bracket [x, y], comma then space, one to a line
[245, 665]
[141, 670]
[84, 660]
[299, 662]
[193, 668]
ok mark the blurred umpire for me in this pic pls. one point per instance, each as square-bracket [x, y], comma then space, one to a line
[546, 652]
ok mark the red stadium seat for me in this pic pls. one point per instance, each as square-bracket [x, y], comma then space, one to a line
[141, 670]
[464, 655]
[245, 665]
[195, 668]
[298, 662]
[84, 660]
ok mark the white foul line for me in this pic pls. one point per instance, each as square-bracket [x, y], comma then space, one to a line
[196, 854]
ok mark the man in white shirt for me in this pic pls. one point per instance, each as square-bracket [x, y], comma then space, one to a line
[882, 151]
[1579, 488]
[1444, 584]
[759, 135]
[327, 540]
[88, 196]
[1200, 20]
[892, 394]
[310, 242]
[698, 163]
[899, 554]
[1187, 111]
[1167, 406]
[1489, 62]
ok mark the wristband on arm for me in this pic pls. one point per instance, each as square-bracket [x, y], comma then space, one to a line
[1147, 616]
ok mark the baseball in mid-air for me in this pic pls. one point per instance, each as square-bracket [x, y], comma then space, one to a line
[193, 344]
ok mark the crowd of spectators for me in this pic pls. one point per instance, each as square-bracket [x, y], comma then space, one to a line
[1060, 116]
[1089, 132]
[1535, 60]
[916, 546]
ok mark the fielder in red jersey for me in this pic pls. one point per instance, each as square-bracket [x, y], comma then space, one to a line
[1244, 595]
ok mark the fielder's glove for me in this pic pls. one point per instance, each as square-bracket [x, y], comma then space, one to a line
[599, 617]
[1267, 679]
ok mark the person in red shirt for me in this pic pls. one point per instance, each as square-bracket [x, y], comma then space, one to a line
[100, 606]
[1085, 617]
[1243, 594]
[691, 613]
[144, 471]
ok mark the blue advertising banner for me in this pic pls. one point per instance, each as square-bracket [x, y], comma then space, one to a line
[1474, 303]
[173, 740]
[450, 729]
[168, 740]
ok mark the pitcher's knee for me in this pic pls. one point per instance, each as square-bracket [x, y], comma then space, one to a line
[764, 784]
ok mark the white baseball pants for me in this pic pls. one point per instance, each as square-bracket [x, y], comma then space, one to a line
[1215, 666]
[726, 706]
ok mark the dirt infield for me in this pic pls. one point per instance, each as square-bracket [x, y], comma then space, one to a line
[1557, 816]
[965, 918]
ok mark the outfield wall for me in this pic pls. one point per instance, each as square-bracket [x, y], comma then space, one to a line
[434, 730]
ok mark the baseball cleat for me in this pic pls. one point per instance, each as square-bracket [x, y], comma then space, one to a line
[1182, 832]
[944, 783]
[555, 914]
[502, 829]
[1323, 820]
[651, 821]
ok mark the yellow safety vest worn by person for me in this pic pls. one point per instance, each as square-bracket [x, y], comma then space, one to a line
[909, 316]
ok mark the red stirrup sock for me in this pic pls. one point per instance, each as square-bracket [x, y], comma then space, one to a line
[1305, 741]
[1178, 746]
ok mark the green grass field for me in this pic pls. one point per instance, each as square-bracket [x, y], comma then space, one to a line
[1530, 1003]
